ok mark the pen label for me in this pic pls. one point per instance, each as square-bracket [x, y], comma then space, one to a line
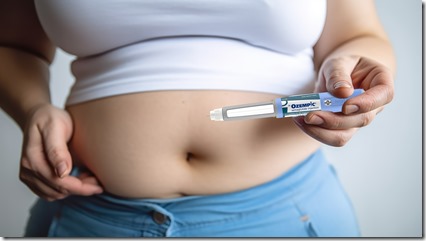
[299, 105]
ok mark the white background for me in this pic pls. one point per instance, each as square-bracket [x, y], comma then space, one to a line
[381, 167]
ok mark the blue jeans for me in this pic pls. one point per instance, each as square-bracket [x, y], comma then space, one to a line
[308, 200]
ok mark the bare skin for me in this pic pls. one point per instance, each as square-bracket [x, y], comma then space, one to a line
[162, 144]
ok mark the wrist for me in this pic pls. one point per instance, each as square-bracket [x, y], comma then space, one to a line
[29, 112]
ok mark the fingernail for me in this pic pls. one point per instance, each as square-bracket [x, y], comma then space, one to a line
[315, 120]
[349, 109]
[61, 168]
[342, 84]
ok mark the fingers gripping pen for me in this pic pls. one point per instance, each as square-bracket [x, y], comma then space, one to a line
[291, 106]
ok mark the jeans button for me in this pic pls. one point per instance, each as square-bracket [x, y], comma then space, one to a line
[159, 218]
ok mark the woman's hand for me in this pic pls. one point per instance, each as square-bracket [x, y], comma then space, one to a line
[46, 161]
[340, 76]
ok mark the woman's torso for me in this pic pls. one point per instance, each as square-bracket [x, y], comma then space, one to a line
[161, 143]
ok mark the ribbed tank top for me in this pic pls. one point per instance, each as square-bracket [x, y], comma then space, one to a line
[128, 46]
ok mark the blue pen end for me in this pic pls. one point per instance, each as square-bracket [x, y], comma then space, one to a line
[334, 104]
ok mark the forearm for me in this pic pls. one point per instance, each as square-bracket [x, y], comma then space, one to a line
[24, 83]
[369, 46]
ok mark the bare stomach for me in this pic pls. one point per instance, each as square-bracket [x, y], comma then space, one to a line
[163, 144]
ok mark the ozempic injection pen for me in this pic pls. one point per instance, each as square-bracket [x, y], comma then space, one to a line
[291, 106]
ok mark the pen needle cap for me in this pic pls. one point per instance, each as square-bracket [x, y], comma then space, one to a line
[216, 115]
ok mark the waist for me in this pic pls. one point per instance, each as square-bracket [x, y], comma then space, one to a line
[163, 144]
[293, 184]
[191, 63]
[283, 207]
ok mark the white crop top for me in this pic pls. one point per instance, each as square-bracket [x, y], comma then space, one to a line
[127, 46]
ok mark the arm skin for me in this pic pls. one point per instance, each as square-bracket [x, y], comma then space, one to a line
[352, 52]
[25, 57]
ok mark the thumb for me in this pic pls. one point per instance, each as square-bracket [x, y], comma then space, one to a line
[337, 76]
[55, 145]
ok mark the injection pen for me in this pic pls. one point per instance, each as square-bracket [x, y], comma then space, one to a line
[291, 106]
